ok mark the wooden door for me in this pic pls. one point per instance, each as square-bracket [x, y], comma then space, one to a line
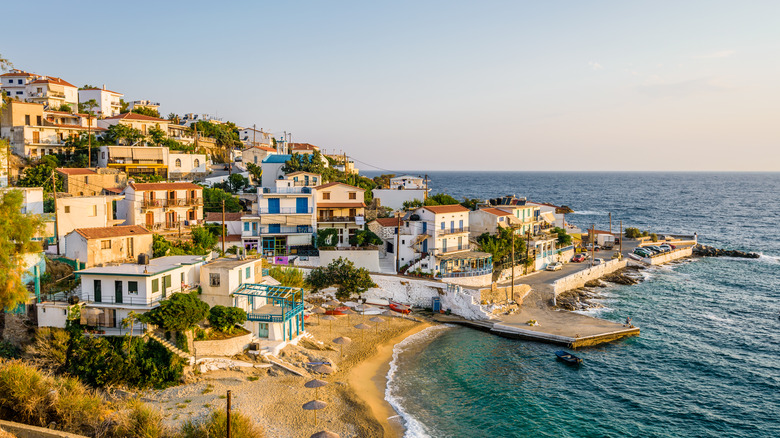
[149, 219]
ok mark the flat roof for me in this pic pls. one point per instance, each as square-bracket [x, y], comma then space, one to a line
[155, 266]
[228, 262]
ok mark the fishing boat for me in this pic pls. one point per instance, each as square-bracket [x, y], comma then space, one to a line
[400, 308]
[337, 311]
[568, 357]
[377, 302]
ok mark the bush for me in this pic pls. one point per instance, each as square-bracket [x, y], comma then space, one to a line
[181, 342]
[216, 426]
[9, 350]
[180, 312]
[225, 319]
[563, 237]
[140, 421]
[343, 274]
[365, 238]
[633, 233]
[654, 237]
[287, 276]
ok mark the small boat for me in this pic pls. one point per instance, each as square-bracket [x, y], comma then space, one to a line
[377, 301]
[350, 303]
[634, 257]
[568, 357]
[337, 311]
[400, 308]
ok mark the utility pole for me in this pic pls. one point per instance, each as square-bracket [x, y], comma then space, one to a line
[398, 242]
[621, 238]
[89, 139]
[254, 131]
[425, 195]
[8, 163]
[54, 192]
[228, 414]
[527, 248]
[223, 226]
[610, 222]
[513, 263]
[592, 243]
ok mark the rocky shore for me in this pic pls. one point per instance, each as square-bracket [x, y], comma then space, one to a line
[581, 298]
[709, 251]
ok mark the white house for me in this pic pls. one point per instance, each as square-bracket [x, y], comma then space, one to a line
[111, 292]
[284, 220]
[137, 121]
[182, 165]
[272, 169]
[407, 182]
[396, 246]
[220, 277]
[340, 207]
[14, 83]
[108, 104]
[32, 198]
[233, 225]
[162, 206]
[148, 104]
[52, 92]
[98, 246]
[254, 137]
[83, 212]
[488, 220]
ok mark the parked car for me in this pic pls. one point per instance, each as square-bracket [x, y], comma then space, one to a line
[578, 258]
[598, 261]
[590, 247]
[556, 266]
[643, 252]
[657, 248]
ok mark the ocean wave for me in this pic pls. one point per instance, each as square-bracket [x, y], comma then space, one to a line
[768, 258]
[712, 317]
[591, 212]
[414, 429]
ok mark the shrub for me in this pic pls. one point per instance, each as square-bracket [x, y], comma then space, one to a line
[216, 426]
[225, 318]
[364, 238]
[9, 350]
[343, 274]
[633, 233]
[654, 237]
[180, 312]
[287, 276]
[140, 421]
[181, 342]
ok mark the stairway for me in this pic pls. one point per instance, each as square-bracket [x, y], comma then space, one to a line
[172, 348]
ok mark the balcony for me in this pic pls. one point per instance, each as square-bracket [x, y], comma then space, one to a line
[261, 231]
[48, 94]
[131, 161]
[285, 210]
[287, 190]
[448, 231]
[468, 273]
[185, 202]
[158, 226]
[335, 219]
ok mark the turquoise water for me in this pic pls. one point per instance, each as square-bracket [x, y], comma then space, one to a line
[705, 365]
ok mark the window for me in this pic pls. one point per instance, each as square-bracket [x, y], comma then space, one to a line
[196, 163]
[105, 244]
[18, 81]
[240, 277]
[178, 162]
[248, 272]
[19, 92]
[38, 119]
[246, 226]
[94, 211]
[325, 195]
[213, 279]
[352, 212]
[442, 225]
[27, 119]
[132, 287]
[352, 195]
[156, 285]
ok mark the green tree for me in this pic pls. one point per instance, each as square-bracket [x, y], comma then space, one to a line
[441, 199]
[146, 111]
[364, 238]
[225, 319]
[202, 240]
[16, 233]
[123, 106]
[291, 277]
[180, 312]
[212, 201]
[40, 175]
[343, 274]
[157, 136]
[563, 237]
[256, 172]
[174, 118]
[327, 237]
[500, 246]
[633, 233]
[470, 203]
[64, 107]
[120, 133]
[383, 181]
[413, 204]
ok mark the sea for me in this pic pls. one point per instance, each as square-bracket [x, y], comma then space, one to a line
[705, 365]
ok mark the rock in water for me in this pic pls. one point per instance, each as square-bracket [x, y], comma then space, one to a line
[709, 251]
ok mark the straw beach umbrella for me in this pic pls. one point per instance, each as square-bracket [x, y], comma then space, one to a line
[348, 312]
[333, 303]
[377, 320]
[330, 318]
[316, 384]
[362, 308]
[323, 369]
[362, 326]
[325, 434]
[319, 311]
[342, 341]
[314, 405]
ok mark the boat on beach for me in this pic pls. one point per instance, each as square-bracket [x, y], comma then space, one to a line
[377, 301]
[568, 357]
[338, 311]
[400, 308]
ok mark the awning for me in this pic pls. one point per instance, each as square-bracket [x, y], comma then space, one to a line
[466, 255]
[147, 154]
[548, 217]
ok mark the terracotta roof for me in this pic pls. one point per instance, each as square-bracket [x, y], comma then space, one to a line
[60, 125]
[388, 221]
[229, 217]
[61, 112]
[440, 209]
[331, 184]
[113, 189]
[303, 146]
[262, 148]
[603, 232]
[233, 238]
[326, 204]
[53, 80]
[301, 172]
[18, 73]
[136, 116]
[164, 186]
[76, 171]
[495, 211]
[107, 232]
[102, 89]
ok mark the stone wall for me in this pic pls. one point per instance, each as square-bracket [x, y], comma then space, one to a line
[500, 294]
[476, 281]
[578, 279]
[224, 347]
[20, 430]
[368, 258]
[669, 256]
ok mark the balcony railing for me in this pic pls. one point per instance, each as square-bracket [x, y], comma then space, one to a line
[178, 202]
[130, 161]
[337, 218]
[457, 230]
[52, 94]
[260, 231]
[287, 190]
[448, 250]
[172, 225]
[468, 273]
[284, 210]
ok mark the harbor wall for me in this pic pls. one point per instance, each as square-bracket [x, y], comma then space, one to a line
[579, 279]
[676, 254]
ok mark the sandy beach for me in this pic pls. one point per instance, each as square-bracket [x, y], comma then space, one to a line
[273, 397]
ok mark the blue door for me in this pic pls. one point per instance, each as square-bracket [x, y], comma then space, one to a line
[273, 205]
[461, 225]
[274, 228]
[302, 205]
[425, 244]
[425, 227]
[452, 226]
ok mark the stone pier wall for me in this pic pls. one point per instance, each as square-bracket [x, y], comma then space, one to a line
[579, 279]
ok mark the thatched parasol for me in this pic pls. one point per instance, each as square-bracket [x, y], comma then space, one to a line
[330, 324]
[316, 384]
[377, 320]
[324, 369]
[362, 326]
[314, 405]
[325, 434]
[342, 341]
[319, 311]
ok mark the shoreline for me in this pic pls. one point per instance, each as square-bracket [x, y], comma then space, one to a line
[369, 381]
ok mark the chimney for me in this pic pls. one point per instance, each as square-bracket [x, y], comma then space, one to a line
[104, 86]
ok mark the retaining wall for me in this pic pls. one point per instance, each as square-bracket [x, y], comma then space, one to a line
[476, 281]
[364, 258]
[26, 431]
[224, 347]
[669, 256]
[579, 279]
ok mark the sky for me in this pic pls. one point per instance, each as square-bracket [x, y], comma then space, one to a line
[442, 85]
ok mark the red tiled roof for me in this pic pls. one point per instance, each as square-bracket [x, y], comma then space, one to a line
[107, 232]
[164, 186]
[53, 80]
[388, 221]
[136, 116]
[60, 125]
[75, 171]
[326, 204]
[262, 148]
[303, 146]
[102, 89]
[331, 184]
[113, 189]
[440, 209]
[603, 232]
[233, 238]
[229, 217]
[18, 73]
[495, 211]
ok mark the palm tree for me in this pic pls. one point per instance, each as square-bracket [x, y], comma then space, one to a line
[90, 111]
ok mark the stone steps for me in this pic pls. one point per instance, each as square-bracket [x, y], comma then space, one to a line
[172, 348]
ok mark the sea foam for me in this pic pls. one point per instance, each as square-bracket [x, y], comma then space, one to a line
[414, 429]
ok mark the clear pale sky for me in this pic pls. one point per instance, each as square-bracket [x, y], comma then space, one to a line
[654, 85]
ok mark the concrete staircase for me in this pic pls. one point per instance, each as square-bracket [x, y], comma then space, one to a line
[172, 348]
